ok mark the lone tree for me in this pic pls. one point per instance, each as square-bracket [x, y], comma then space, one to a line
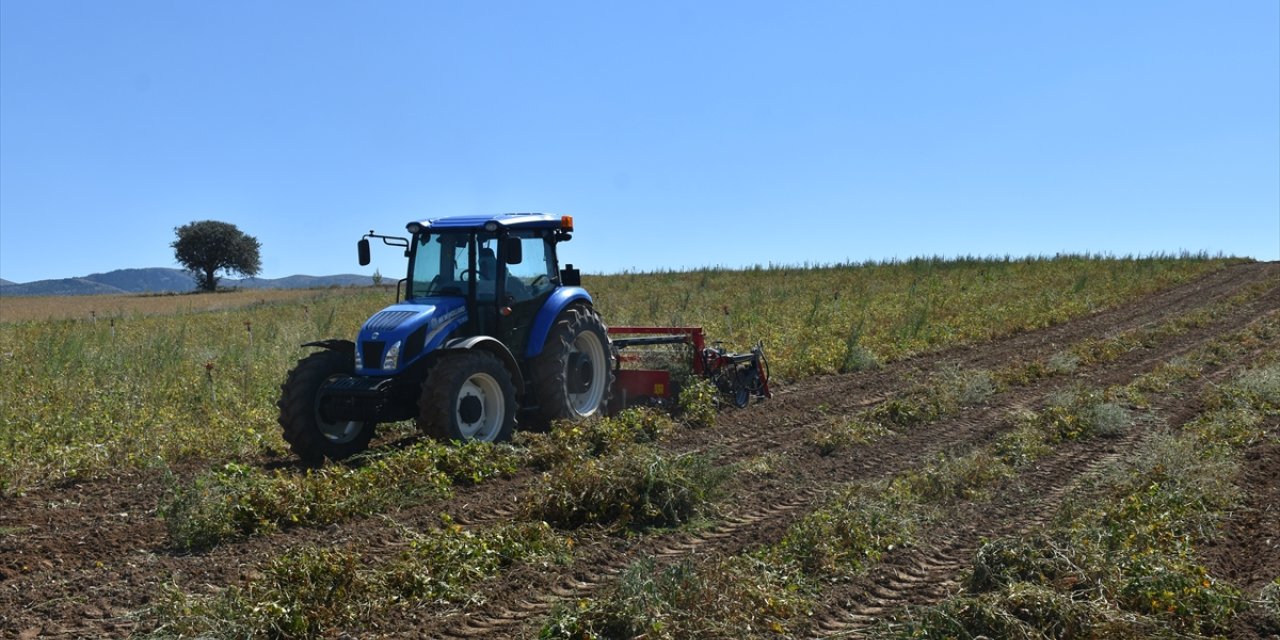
[208, 246]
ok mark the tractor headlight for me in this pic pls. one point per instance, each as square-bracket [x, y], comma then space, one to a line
[392, 359]
[359, 360]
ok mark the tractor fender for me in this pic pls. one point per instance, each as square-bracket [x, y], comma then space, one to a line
[494, 346]
[559, 300]
[341, 346]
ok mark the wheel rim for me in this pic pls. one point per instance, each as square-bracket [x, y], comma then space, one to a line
[336, 432]
[478, 408]
[591, 350]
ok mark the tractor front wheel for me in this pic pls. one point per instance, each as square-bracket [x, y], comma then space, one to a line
[309, 435]
[573, 376]
[468, 396]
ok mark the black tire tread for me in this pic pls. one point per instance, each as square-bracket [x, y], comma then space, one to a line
[549, 377]
[297, 409]
[435, 406]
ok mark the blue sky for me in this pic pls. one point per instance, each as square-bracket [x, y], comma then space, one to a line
[678, 134]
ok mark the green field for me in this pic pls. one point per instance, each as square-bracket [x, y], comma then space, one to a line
[86, 394]
[1060, 479]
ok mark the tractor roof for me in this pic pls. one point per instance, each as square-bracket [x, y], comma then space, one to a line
[508, 220]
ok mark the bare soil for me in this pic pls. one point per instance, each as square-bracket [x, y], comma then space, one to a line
[84, 559]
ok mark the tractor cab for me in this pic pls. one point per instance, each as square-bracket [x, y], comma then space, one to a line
[503, 274]
[467, 276]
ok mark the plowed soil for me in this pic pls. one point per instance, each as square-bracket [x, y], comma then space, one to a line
[83, 560]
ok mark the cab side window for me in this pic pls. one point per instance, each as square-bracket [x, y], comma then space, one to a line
[533, 276]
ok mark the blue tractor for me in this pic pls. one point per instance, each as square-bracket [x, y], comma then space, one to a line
[490, 331]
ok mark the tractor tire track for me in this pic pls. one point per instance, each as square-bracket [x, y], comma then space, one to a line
[1208, 290]
[933, 570]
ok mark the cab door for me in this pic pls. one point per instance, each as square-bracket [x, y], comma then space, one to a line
[528, 284]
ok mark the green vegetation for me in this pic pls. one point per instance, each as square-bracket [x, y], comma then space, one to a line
[1094, 351]
[575, 442]
[195, 391]
[1020, 587]
[862, 522]
[833, 436]
[310, 592]
[944, 393]
[1269, 602]
[637, 486]
[1119, 559]
[589, 464]
[772, 588]
[237, 500]
[86, 396]
[850, 531]
[607, 471]
[1080, 413]
[730, 599]
[835, 318]
[697, 402]
[82, 397]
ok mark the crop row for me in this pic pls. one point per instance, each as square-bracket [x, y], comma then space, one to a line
[311, 591]
[606, 471]
[1120, 561]
[237, 500]
[598, 471]
[951, 388]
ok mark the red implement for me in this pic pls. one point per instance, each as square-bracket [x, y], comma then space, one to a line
[737, 376]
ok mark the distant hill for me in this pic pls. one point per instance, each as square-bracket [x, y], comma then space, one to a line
[161, 280]
[63, 287]
[303, 282]
[145, 280]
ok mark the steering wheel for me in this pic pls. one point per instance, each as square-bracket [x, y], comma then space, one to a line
[479, 276]
[539, 281]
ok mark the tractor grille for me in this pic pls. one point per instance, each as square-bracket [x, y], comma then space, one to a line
[371, 352]
[388, 320]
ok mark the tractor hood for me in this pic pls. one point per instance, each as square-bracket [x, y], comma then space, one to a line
[402, 333]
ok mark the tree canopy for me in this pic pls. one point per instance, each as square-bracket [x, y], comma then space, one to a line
[208, 246]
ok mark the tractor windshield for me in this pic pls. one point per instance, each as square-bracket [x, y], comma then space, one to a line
[440, 265]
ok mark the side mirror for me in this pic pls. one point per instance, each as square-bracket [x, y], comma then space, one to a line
[362, 248]
[514, 250]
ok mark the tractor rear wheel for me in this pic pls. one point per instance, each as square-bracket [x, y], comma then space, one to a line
[573, 376]
[309, 435]
[468, 396]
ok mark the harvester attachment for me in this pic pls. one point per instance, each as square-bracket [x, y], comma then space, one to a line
[736, 376]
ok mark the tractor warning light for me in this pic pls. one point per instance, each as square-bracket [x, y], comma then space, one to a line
[566, 223]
